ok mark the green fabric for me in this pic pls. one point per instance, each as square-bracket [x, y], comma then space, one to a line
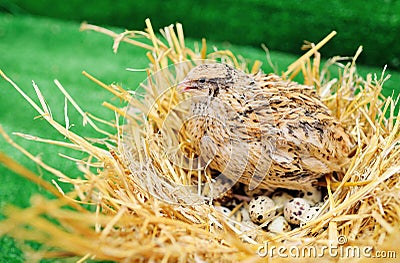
[282, 25]
[44, 49]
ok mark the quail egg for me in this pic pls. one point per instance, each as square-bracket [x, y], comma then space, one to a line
[312, 196]
[279, 225]
[261, 209]
[295, 209]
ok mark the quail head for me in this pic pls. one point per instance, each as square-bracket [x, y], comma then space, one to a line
[262, 130]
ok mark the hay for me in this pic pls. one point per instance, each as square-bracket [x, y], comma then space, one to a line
[138, 196]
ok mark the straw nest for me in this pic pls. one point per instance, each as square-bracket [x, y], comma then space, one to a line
[138, 196]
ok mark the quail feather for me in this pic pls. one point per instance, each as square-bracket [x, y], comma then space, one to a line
[262, 130]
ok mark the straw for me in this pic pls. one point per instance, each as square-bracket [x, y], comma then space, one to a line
[138, 194]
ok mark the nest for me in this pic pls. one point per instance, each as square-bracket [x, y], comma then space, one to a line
[140, 204]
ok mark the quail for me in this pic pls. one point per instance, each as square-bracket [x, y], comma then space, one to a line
[262, 130]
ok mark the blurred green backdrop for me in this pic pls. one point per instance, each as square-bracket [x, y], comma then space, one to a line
[281, 25]
[40, 40]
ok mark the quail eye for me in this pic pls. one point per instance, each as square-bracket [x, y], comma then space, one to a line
[202, 80]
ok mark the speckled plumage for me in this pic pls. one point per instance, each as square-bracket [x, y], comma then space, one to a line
[262, 130]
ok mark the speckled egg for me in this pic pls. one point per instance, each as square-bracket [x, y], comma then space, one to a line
[280, 198]
[261, 209]
[295, 209]
[312, 196]
[310, 214]
[279, 225]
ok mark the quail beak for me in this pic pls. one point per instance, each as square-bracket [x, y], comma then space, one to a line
[184, 86]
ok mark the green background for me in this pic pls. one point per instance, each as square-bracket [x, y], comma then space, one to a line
[281, 25]
[40, 41]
